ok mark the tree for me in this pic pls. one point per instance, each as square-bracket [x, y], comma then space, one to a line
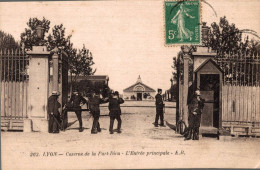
[7, 41]
[56, 39]
[59, 40]
[81, 64]
[29, 36]
[178, 65]
[224, 38]
[174, 91]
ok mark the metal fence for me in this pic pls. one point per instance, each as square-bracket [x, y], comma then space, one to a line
[241, 89]
[240, 69]
[14, 84]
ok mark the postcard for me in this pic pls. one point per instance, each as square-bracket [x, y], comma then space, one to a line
[120, 84]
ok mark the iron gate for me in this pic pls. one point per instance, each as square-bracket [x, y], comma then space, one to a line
[240, 92]
[14, 88]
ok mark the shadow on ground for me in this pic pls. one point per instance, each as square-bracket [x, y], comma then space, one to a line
[173, 127]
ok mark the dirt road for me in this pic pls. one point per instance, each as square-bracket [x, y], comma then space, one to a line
[140, 145]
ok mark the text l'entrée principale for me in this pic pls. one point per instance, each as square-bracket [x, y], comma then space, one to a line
[107, 153]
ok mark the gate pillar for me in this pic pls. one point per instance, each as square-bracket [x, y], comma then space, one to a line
[186, 58]
[38, 89]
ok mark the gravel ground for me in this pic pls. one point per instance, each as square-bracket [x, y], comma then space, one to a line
[140, 145]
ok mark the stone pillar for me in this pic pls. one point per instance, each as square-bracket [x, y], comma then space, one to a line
[55, 61]
[38, 90]
[186, 58]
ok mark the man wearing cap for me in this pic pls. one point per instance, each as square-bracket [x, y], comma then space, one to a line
[77, 101]
[94, 101]
[159, 109]
[115, 111]
[195, 110]
[53, 112]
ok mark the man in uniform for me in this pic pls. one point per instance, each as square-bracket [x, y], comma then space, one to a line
[77, 101]
[159, 108]
[115, 111]
[53, 112]
[94, 103]
[195, 110]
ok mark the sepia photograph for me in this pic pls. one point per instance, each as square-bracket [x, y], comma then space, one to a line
[121, 84]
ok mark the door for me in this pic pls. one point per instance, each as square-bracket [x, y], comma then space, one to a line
[209, 87]
[139, 96]
[207, 112]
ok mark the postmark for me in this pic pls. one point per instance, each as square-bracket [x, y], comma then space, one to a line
[182, 22]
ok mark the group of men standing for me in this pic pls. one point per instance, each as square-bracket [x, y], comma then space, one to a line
[94, 101]
[195, 106]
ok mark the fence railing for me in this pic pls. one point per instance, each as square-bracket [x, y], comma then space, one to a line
[241, 105]
[241, 88]
[240, 69]
[14, 84]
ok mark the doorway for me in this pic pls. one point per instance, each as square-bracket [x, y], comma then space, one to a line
[210, 88]
[139, 96]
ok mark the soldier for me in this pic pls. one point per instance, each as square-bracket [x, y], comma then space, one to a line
[77, 101]
[195, 110]
[53, 112]
[94, 103]
[159, 108]
[115, 111]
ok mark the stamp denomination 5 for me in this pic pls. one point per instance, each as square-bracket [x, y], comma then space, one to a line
[182, 22]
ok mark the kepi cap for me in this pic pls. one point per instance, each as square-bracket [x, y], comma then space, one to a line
[116, 93]
[55, 93]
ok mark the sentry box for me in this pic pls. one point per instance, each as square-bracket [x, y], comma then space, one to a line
[208, 78]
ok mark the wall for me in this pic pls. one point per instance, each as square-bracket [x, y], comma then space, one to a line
[129, 94]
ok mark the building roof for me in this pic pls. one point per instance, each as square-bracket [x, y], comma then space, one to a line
[139, 86]
[206, 62]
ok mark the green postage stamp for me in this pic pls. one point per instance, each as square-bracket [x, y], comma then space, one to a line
[182, 22]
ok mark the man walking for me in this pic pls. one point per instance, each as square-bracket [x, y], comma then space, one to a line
[195, 110]
[115, 111]
[94, 103]
[159, 109]
[53, 112]
[77, 101]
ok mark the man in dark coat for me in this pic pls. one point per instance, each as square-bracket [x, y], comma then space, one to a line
[53, 112]
[76, 101]
[94, 101]
[195, 110]
[159, 108]
[115, 111]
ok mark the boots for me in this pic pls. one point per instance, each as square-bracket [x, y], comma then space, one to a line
[162, 125]
[94, 131]
[189, 134]
[98, 127]
[196, 133]
[81, 129]
[186, 132]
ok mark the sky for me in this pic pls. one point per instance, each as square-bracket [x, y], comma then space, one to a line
[125, 37]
